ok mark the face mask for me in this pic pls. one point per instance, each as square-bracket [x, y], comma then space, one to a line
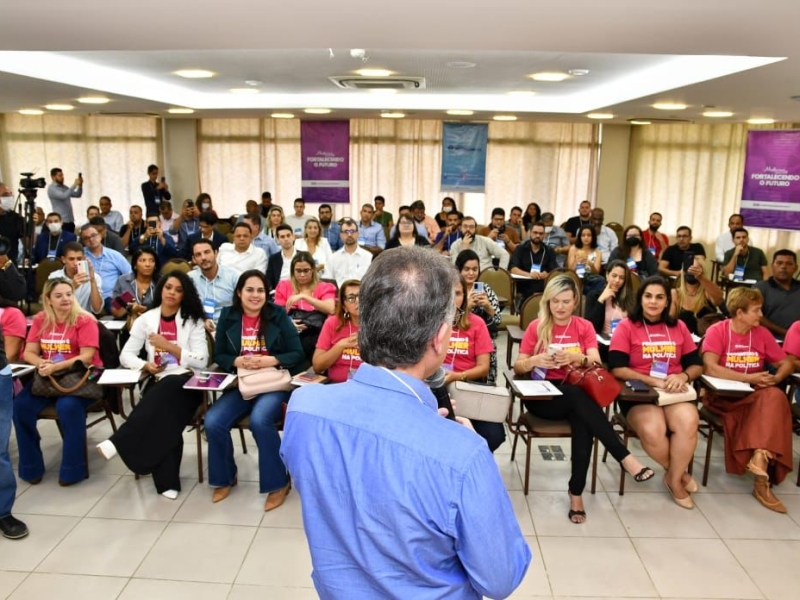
[55, 228]
[447, 209]
[632, 242]
[7, 202]
[548, 229]
[205, 206]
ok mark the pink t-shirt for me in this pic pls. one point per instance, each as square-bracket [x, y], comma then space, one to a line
[350, 359]
[169, 329]
[252, 343]
[13, 323]
[62, 342]
[742, 353]
[791, 343]
[323, 291]
[645, 344]
[466, 346]
[576, 336]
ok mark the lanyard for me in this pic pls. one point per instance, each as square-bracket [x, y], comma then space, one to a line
[749, 344]
[410, 389]
[544, 251]
[53, 248]
[566, 331]
[650, 337]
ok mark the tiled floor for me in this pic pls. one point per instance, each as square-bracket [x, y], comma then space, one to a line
[111, 536]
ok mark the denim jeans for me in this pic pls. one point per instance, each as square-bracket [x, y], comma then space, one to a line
[231, 408]
[8, 483]
[72, 418]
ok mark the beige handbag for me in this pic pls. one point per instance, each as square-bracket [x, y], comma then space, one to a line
[253, 382]
[479, 401]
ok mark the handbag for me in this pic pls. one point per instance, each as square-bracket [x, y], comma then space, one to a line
[313, 319]
[75, 381]
[669, 398]
[482, 402]
[253, 382]
[600, 385]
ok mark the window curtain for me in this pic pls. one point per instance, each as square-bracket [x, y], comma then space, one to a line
[112, 152]
[692, 175]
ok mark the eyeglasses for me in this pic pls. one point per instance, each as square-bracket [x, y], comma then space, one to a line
[302, 271]
[351, 298]
[90, 237]
[349, 231]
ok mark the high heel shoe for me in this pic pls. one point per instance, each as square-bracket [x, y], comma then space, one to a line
[763, 493]
[687, 502]
[755, 469]
[223, 492]
[692, 486]
[276, 498]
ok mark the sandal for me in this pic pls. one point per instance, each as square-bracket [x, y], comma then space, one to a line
[753, 468]
[643, 475]
[576, 513]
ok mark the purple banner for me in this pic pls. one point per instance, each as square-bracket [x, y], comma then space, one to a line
[325, 154]
[771, 190]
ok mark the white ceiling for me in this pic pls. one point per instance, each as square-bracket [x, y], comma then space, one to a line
[286, 48]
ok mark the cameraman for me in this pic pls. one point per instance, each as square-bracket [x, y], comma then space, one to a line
[12, 224]
[12, 283]
[153, 237]
[498, 232]
[61, 197]
[186, 224]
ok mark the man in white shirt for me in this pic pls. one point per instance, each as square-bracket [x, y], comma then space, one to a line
[725, 240]
[113, 218]
[88, 284]
[607, 240]
[242, 255]
[297, 221]
[486, 249]
[215, 283]
[167, 218]
[352, 261]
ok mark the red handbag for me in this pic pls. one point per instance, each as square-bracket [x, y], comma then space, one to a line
[600, 385]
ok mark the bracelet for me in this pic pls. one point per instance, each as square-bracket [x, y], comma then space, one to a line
[585, 361]
[463, 376]
[688, 378]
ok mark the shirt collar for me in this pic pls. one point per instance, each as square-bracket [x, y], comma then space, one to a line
[391, 380]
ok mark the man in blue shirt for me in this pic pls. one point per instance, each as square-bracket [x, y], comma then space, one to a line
[260, 240]
[370, 233]
[107, 263]
[330, 228]
[215, 283]
[399, 502]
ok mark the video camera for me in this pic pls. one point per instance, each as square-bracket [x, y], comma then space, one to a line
[28, 183]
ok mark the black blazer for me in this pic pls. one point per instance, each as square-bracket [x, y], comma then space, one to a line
[274, 267]
[217, 239]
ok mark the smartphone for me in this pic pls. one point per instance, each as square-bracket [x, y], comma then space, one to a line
[688, 260]
[123, 300]
[152, 223]
[80, 175]
[637, 386]
[478, 287]
[163, 180]
[553, 349]
[83, 266]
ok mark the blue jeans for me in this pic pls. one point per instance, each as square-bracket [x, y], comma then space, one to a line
[8, 483]
[72, 418]
[264, 410]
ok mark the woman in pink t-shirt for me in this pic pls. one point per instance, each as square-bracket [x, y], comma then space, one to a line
[653, 347]
[15, 330]
[554, 341]
[337, 346]
[758, 427]
[61, 335]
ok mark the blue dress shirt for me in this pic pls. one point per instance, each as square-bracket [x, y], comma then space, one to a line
[218, 290]
[266, 243]
[332, 233]
[371, 235]
[109, 265]
[398, 502]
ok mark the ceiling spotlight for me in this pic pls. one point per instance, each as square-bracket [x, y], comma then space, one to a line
[247, 90]
[59, 106]
[393, 115]
[31, 111]
[374, 72]
[600, 115]
[549, 76]
[317, 111]
[639, 122]
[669, 106]
[94, 100]
[460, 113]
[282, 115]
[460, 64]
[253, 82]
[718, 113]
[578, 72]
[504, 118]
[760, 121]
[194, 73]
[180, 111]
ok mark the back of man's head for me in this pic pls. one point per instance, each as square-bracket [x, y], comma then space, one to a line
[405, 297]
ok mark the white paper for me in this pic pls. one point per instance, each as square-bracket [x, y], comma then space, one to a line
[727, 385]
[113, 325]
[119, 377]
[536, 387]
[20, 369]
[696, 338]
[523, 277]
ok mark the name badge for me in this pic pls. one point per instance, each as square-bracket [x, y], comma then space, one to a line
[51, 253]
[536, 268]
[652, 250]
[580, 270]
[631, 264]
[500, 243]
[167, 359]
[447, 367]
[57, 358]
[539, 373]
[659, 369]
[738, 273]
[614, 323]
[209, 306]
[362, 241]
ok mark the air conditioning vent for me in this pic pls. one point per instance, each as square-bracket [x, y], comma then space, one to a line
[349, 82]
[661, 121]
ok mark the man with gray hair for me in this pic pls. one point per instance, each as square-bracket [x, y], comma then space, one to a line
[399, 502]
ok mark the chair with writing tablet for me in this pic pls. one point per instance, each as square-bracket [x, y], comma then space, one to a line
[527, 314]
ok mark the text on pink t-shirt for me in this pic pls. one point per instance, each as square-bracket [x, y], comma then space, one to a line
[467, 345]
[576, 336]
[647, 343]
[66, 342]
[743, 353]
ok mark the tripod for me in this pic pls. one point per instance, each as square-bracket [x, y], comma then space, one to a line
[27, 269]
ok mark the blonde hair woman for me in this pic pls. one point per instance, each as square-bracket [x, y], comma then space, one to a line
[317, 246]
[694, 297]
[274, 219]
[552, 343]
[61, 335]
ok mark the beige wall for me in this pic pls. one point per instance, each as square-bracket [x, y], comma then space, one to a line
[180, 159]
[612, 176]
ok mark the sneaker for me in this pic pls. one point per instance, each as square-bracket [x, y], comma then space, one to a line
[12, 528]
[107, 449]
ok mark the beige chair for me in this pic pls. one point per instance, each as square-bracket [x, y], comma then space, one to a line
[176, 264]
[502, 283]
[528, 313]
[616, 228]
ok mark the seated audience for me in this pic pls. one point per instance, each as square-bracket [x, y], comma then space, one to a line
[725, 240]
[654, 241]
[61, 335]
[266, 204]
[51, 245]
[607, 238]
[206, 230]
[134, 293]
[87, 284]
[107, 263]
[405, 234]
[381, 215]
[781, 294]
[171, 333]
[515, 222]
[744, 261]
[653, 347]
[694, 297]
[260, 239]
[167, 218]
[214, 282]
[204, 203]
[185, 225]
[352, 261]
[297, 220]
[274, 219]
[110, 239]
[253, 334]
[498, 232]
[638, 257]
[533, 213]
[370, 233]
[154, 238]
[12, 282]
[486, 249]
[317, 246]
[586, 259]
[418, 212]
[674, 257]
[331, 229]
[337, 346]
[307, 300]
[279, 263]
[582, 219]
[134, 228]
[573, 342]
[449, 234]
[113, 218]
[14, 329]
[406, 210]
[758, 427]
[555, 238]
[242, 255]
[533, 260]
[448, 206]
[607, 307]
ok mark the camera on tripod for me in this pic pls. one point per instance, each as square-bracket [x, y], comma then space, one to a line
[28, 183]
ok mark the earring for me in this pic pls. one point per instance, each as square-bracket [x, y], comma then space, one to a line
[346, 315]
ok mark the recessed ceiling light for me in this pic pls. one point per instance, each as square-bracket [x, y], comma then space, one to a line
[59, 106]
[669, 106]
[760, 121]
[460, 113]
[195, 73]
[387, 91]
[521, 93]
[393, 115]
[639, 122]
[549, 76]
[247, 90]
[460, 64]
[578, 72]
[253, 82]
[31, 111]
[505, 118]
[718, 113]
[282, 115]
[94, 100]
[600, 116]
[180, 111]
[374, 72]
[317, 111]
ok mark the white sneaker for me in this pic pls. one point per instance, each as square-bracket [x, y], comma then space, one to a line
[107, 449]
[171, 494]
